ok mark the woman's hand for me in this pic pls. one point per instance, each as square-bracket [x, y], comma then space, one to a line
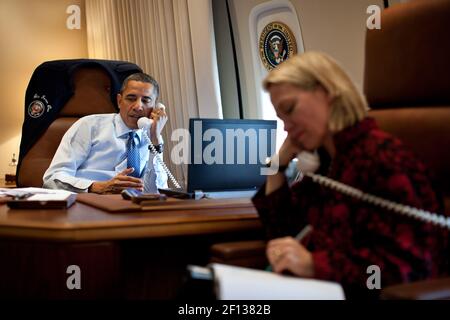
[120, 182]
[287, 254]
[287, 152]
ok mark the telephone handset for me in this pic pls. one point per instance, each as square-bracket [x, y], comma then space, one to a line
[309, 162]
[145, 123]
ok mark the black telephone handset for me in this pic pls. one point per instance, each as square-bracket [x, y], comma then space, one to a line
[308, 163]
[145, 124]
[137, 196]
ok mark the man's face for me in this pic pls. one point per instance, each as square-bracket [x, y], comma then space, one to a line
[136, 101]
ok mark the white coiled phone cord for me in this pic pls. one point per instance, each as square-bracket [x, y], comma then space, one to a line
[415, 213]
[163, 165]
[144, 124]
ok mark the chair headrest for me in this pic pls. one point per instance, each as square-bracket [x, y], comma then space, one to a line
[91, 93]
[408, 60]
[55, 84]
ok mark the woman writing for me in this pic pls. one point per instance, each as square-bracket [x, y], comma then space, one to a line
[322, 110]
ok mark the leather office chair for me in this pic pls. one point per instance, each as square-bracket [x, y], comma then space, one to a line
[59, 93]
[408, 89]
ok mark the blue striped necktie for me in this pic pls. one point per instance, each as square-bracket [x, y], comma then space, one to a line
[133, 158]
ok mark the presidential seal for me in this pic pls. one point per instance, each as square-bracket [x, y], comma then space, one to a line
[276, 44]
[36, 109]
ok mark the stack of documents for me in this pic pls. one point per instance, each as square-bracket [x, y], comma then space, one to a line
[38, 198]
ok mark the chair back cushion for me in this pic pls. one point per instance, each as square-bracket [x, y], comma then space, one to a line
[92, 90]
[407, 60]
[427, 132]
[38, 159]
[91, 94]
[406, 81]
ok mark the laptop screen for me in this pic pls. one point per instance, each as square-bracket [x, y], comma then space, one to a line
[228, 155]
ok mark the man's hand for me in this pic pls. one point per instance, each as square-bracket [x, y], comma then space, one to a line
[117, 184]
[159, 117]
[287, 254]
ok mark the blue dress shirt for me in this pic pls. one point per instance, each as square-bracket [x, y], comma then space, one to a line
[95, 149]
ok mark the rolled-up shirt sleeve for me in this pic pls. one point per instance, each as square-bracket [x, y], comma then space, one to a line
[95, 149]
[71, 153]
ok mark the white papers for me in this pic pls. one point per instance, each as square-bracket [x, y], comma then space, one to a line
[23, 191]
[236, 283]
[38, 198]
[48, 197]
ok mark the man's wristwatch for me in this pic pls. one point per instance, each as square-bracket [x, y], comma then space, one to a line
[158, 147]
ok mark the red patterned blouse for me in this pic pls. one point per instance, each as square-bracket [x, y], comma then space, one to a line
[350, 235]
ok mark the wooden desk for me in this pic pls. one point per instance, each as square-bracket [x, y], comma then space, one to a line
[139, 255]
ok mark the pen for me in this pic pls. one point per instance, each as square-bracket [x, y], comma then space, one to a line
[303, 233]
[299, 237]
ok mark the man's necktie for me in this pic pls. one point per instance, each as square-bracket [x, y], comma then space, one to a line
[133, 158]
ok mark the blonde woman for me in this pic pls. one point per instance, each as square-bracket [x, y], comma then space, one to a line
[322, 110]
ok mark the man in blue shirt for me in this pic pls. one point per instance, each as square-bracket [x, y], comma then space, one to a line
[93, 153]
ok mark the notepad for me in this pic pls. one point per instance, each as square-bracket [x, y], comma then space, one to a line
[237, 283]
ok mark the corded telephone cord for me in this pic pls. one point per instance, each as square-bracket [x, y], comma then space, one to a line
[163, 165]
[412, 212]
[145, 123]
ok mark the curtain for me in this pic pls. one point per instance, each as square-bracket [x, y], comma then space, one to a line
[156, 35]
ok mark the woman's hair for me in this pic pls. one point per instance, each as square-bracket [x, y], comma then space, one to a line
[312, 69]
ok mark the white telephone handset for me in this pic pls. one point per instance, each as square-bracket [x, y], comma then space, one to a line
[145, 124]
[308, 163]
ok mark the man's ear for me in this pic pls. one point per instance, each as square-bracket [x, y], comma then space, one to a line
[119, 99]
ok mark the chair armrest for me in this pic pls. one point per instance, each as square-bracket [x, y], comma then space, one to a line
[251, 254]
[437, 289]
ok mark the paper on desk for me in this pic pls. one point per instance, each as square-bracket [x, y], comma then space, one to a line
[236, 283]
[49, 197]
[21, 191]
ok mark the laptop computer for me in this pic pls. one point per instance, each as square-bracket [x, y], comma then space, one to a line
[227, 158]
